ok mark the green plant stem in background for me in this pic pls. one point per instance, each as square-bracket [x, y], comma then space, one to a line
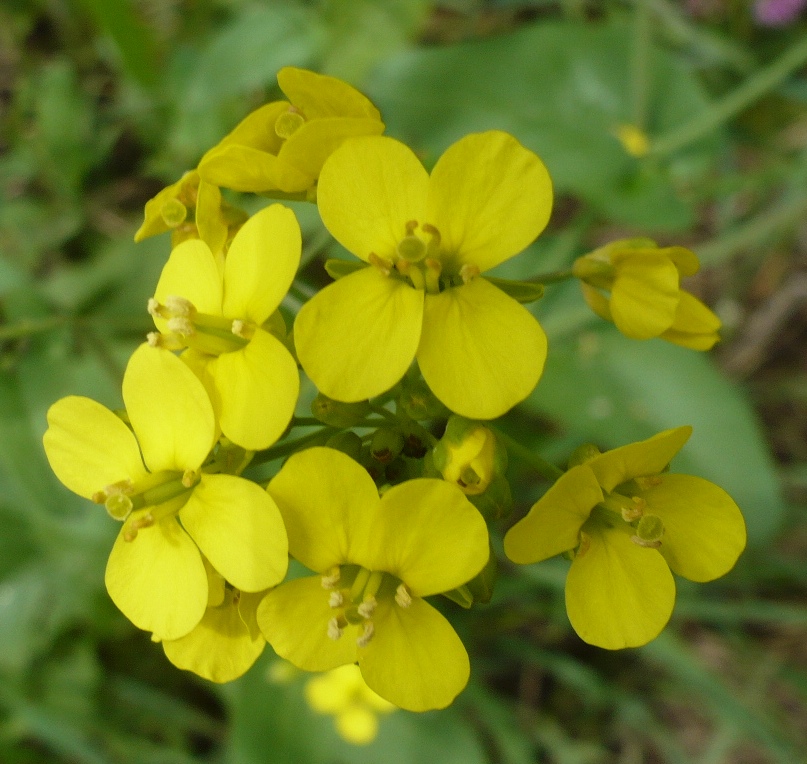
[544, 468]
[290, 446]
[641, 63]
[732, 104]
[551, 278]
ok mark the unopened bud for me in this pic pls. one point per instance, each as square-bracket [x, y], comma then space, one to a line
[583, 454]
[338, 413]
[347, 442]
[386, 444]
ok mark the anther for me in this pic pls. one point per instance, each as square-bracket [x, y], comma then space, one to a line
[99, 497]
[645, 543]
[243, 329]
[181, 326]
[584, 546]
[189, 478]
[337, 599]
[433, 270]
[155, 309]
[367, 607]
[146, 521]
[649, 482]
[385, 266]
[180, 307]
[635, 511]
[366, 635]
[402, 596]
[336, 627]
[330, 580]
[434, 244]
[166, 341]
[469, 272]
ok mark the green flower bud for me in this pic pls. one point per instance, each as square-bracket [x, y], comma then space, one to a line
[583, 454]
[337, 413]
[347, 442]
[386, 444]
[418, 402]
[469, 455]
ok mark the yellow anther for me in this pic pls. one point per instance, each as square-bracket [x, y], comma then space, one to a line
[367, 634]
[434, 243]
[146, 521]
[155, 309]
[173, 213]
[585, 544]
[402, 596]
[334, 629]
[651, 481]
[385, 266]
[183, 327]
[645, 543]
[190, 478]
[99, 497]
[337, 599]
[635, 510]
[433, 270]
[167, 341]
[469, 272]
[289, 123]
[331, 579]
[243, 329]
[180, 307]
[367, 607]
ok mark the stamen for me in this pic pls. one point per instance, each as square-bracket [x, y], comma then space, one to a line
[585, 544]
[368, 606]
[99, 497]
[181, 326]
[337, 599]
[385, 266]
[649, 482]
[645, 543]
[433, 270]
[243, 329]
[434, 244]
[180, 307]
[189, 478]
[155, 309]
[402, 596]
[330, 580]
[334, 629]
[136, 525]
[167, 341]
[469, 272]
[366, 635]
[635, 511]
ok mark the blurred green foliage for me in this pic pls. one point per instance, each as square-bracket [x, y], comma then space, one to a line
[103, 101]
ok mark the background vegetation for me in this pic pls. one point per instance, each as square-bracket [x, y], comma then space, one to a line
[105, 101]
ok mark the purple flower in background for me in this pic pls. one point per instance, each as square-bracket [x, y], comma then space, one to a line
[777, 13]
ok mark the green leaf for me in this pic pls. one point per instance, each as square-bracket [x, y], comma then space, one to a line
[605, 388]
[562, 89]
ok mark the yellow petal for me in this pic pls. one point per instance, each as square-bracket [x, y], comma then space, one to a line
[153, 223]
[191, 272]
[597, 301]
[261, 264]
[88, 447]
[257, 389]
[368, 190]
[704, 530]
[645, 294]
[481, 352]
[490, 198]
[220, 648]
[237, 526]
[686, 261]
[169, 409]
[319, 95]
[357, 724]
[294, 619]
[647, 457]
[695, 326]
[323, 494]
[426, 533]
[209, 220]
[308, 148]
[215, 585]
[158, 580]
[358, 336]
[415, 659]
[618, 594]
[256, 130]
[553, 523]
[243, 168]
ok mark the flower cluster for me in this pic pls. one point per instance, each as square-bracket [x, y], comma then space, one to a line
[389, 496]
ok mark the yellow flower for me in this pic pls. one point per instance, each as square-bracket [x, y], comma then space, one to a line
[214, 220]
[225, 643]
[428, 239]
[174, 510]
[469, 456]
[219, 313]
[645, 298]
[343, 694]
[629, 523]
[283, 145]
[377, 558]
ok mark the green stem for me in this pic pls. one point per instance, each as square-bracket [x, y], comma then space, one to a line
[733, 103]
[305, 421]
[290, 446]
[640, 65]
[551, 278]
[386, 413]
[544, 468]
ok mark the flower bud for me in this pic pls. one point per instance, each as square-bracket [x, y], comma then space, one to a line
[386, 444]
[469, 455]
[347, 442]
[583, 454]
[337, 413]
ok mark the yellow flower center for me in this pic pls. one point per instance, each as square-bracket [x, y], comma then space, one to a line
[207, 333]
[289, 123]
[354, 595]
[166, 492]
[649, 528]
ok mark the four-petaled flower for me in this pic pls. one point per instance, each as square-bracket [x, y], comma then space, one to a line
[636, 285]
[428, 238]
[628, 523]
[219, 311]
[174, 510]
[283, 145]
[377, 559]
